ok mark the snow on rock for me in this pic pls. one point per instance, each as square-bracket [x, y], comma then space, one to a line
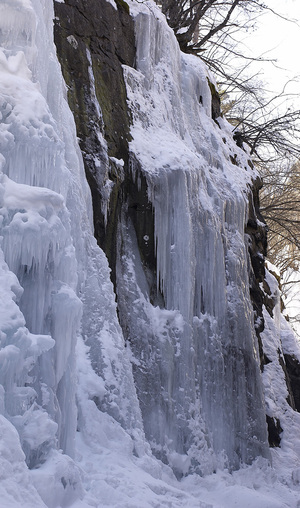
[278, 340]
[58, 481]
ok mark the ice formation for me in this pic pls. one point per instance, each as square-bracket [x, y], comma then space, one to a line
[53, 276]
[212, 408]
[183, 382]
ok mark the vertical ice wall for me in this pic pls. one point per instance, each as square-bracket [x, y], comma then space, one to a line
[36, 231]
[55, 280]
[194, 349]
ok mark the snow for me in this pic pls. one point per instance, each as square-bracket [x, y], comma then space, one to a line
[79, 424]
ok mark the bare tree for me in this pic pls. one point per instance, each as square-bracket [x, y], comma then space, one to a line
[273, 138]
[280, 205]
[208, 17]
[270, 127]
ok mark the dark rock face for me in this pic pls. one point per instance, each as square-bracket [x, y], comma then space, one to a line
[215, 101]
[95, 26]
[257, 246]
[93, 40]
[293, 373]
[282, 363]
[257, 231]
[141, 213]
[274, 431]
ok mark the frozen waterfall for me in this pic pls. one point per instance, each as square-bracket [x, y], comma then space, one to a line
[195, 357]
[108, 390]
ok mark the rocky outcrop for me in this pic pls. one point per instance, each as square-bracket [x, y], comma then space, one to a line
[90, 27]
[93, 40]
[256, 232]
[292, 369]
[274, 431]
[262, 297]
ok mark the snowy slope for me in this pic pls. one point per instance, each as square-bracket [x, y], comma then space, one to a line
[76, 436]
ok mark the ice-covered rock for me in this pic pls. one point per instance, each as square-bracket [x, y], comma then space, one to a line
[92, 389]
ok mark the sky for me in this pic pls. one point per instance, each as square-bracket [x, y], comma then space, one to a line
[280, 40]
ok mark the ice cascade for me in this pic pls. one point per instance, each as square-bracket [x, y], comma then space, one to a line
[195, 357]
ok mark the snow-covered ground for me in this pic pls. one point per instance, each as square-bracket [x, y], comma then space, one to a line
[70, 436]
